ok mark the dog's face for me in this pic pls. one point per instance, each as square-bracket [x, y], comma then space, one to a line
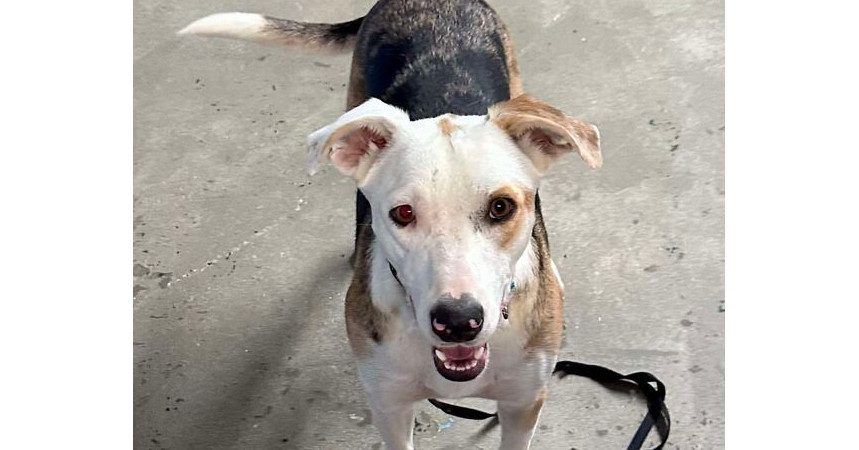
[453, 201]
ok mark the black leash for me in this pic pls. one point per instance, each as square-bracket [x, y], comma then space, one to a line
[657, 412]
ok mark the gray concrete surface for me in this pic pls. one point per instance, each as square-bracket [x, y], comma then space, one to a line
[240, 259]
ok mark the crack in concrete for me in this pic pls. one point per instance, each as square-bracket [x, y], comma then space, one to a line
[225, 256]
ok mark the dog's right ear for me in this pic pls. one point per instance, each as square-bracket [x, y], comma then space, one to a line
[354, 141]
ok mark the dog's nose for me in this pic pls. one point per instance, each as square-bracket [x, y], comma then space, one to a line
[457, 320]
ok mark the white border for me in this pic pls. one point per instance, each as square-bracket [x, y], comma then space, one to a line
[66, 186]
[791, 224]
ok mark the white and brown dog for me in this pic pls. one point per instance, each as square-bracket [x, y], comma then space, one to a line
[454, 292]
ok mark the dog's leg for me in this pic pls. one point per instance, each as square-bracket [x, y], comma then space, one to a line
[395, 421]
[518, 421]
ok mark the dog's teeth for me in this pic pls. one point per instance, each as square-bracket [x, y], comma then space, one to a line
[459, 366]
[479, 353]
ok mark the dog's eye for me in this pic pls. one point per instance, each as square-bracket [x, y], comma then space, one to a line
[501, 208]
[403, 215]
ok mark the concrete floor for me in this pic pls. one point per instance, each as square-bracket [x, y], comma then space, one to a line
[240, 259]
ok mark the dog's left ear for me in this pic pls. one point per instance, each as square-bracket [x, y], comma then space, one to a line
[545, 133]
[356, 139]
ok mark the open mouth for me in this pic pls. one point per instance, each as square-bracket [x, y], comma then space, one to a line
[461, 363]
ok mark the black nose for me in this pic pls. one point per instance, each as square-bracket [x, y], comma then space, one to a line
[457, 320]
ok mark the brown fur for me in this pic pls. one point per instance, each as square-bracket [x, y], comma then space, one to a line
[447, 127]
[537, 310]
[365, 325]
[512, 63]
[524, 202]
[525, 104]
[523, 115]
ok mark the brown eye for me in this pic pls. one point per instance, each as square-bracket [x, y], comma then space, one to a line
[403, 215]
[501, 208]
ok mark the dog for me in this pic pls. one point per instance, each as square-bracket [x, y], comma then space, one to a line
[454, 292]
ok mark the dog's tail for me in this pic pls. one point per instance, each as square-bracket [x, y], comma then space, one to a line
[337, 37]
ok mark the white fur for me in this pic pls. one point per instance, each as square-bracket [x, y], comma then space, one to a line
[446, 181]
[369, 113]
[230, 25]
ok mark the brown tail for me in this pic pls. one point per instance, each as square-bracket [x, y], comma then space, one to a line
[336, 37]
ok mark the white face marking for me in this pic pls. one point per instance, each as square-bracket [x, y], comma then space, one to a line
[451, 248]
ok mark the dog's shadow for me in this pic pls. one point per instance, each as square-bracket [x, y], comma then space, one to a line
[251, 391]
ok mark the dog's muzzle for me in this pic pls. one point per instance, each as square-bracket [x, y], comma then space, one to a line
[458, 321]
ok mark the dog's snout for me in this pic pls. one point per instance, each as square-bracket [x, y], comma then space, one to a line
[457, 320]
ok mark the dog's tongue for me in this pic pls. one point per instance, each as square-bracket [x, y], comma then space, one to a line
[458, 353]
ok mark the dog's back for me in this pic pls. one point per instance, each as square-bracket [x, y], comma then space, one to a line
[414, 60]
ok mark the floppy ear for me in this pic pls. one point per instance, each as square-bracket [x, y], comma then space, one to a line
[353, 142]
[545, 133]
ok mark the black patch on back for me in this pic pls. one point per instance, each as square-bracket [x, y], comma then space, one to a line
[468, 85]
[465, 83]
[383, 63]
[434, 57]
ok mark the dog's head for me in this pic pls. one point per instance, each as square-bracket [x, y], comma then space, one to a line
[453, 203]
